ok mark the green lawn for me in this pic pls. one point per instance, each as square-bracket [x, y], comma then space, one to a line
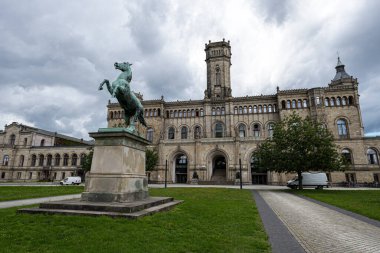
[28, 192]
[210, 220]
[364, 202]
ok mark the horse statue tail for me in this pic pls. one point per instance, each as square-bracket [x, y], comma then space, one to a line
[141, 118]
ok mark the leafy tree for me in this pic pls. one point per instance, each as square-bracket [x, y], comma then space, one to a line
[151, 159]
[88, 160]
[299, 145]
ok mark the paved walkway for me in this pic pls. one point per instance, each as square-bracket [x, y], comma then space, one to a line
[320, 229]
[26, 202]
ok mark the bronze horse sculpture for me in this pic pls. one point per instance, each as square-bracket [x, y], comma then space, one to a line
[133, 109]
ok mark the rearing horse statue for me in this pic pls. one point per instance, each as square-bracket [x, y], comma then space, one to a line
[133, 109]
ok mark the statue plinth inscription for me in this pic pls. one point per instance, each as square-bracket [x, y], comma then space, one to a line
[118, 168]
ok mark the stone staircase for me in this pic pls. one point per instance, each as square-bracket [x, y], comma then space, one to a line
[218, 178]
[130, 210]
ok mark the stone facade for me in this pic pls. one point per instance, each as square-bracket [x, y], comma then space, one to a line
[211, 135]
[32, 154]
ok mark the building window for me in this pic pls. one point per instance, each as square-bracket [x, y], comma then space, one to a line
[149, 134]
[317, 101]
[74, 160]
[12, 140]
[30, 175]
[327, 102]
[158, 112]
[299, 103]
[171, 133]
[171, 114]
[49, 160]
[254, 109]
[294, 104]
[5, 160]
[180, 114]
[184, 133]
[270, 130]
[42, 143]
[202, 112]
[22, 158]
[305, 103]
[241, 130]
[332, 101]
[65, 160]
[184, 114]
[25, 141]
[347, 155]
[175, 114]
[250, 109]
[264, 108]
[283, 104]
[235, 110]
[350, 177]
[269, 108]
[350, 100]
[256, 130]
[372, 156]
[245, 111]
[218, 130]
[57, 159]
[260, 109]
[342, 128]
[344, 101]
[34, 159]
[192, 113]
[288, 104]
[2, 175]
[338, 101]
[18, 175]
[376, 178]
[197, 132]
[240, 110]
[63, 175]
[223, 111]
[154, 112]
[41, 159]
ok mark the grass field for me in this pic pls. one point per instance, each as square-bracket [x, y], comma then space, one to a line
[209, 220]
[28, 192]
[364, 202]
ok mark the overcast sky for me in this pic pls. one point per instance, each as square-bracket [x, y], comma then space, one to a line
[54, 54]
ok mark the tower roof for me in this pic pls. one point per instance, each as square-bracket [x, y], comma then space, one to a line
[340, 72]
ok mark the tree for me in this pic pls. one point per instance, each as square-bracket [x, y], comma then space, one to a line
[88, 160]
[151, 159]
[299, 145]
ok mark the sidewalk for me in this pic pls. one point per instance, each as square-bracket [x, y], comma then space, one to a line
[26, 202]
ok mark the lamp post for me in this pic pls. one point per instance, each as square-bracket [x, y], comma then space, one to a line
[241, 175]
[166, 172]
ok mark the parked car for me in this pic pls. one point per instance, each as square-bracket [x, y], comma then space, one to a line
[71, 180]
[310, 179]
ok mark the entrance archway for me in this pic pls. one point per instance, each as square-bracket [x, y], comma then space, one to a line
[218, 168]
[259, 175]
[181, 169]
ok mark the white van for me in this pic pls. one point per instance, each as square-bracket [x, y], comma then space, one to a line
[71, 180]
[310, 179]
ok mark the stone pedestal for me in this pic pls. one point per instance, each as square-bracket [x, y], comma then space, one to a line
[118, 168]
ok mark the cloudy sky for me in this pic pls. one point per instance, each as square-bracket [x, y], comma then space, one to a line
[54, 54]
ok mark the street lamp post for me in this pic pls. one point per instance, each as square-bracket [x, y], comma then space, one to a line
[166, 172]
[241, 175]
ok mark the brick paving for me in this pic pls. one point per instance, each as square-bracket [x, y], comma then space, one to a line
[321, 229]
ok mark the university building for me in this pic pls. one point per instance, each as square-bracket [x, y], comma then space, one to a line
[211, 135]
[32, 154]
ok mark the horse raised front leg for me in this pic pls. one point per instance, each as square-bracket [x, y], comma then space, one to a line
[105, 81]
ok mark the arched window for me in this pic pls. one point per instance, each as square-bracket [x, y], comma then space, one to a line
[175, 114]
[41, 160]
[223, 111]
[240, 110]
[245, 111]
[283, 104]
[146, 113]
[218, 111]
[218, 130]
[49, 159]
[242, 131]
[269, 108]
[264, 108]
[184, 113]
[327, 102]
[82, 158]
[22, 158]
[338, 101]
[256, 130]
[74, 160]
[42, 143]
[12, 140]
[196, 113]
[180, 114]
[150, 112]
[171, 133]
[288, 104]
[347, 155]
[111, 115]
[184, 132]
[344, 100]
[304, 103]
[34, 159]
[254, 109]
[65, 159]
[342, 128]
[197, 132]
[270, 130]
[274, 108]
[57, 159]
[192, 113]
[294, 104]
[260, 109]
[350, 100]
[299, 103]
[171, 114]
[332, 101]
[5, 160]
[250, 109]
[158, 112]
[149, 134]
[202, 112]
[372, 156]
[235, 110]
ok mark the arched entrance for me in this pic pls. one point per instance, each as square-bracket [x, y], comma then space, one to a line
[259, 175]
[218, 168]
[181, 169]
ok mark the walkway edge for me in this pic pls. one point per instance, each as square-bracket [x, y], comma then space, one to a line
[280, 238]
[26, 202]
